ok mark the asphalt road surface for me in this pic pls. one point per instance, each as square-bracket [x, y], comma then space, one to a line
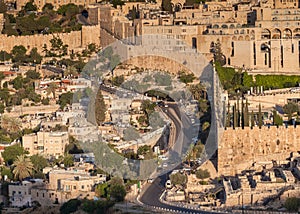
[152, 194]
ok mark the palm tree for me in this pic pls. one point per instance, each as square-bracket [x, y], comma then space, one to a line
[52, 88]
[23, 167]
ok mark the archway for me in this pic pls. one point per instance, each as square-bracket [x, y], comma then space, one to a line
[276, 34]
[287, 34]
[266, 34]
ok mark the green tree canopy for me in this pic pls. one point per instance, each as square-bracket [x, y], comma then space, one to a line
[186, 77]
[118, 80]
[68, 160]
[117, 189]
[48, 6]
[32, 74]
[178, 179]
[218, 54]
[100, 108]
[91, 206]
[30, 6]
[4, 95]
[6, 171]
[68, 10]
[2, 108]
[10, 153]
[39, 162]
[18, 53]
[70, 206]
[4, 56]
[3, 7]
[277, 120]
[102, 190]
[292, 204]
[202, 174]
[167, 6]
[290, 108]
[117, 3]
[34, 56]
[65, 99]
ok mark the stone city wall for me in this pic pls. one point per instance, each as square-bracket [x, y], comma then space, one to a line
[151, 62]
[106, 38]
[74, 39]
[240, 148]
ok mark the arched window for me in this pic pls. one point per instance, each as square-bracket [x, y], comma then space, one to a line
[287, 34]
[265, 34]
[276, 34]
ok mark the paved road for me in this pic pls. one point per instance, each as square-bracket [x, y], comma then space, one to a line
[151, 196]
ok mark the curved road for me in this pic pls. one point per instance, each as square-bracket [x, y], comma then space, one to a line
[151, 196]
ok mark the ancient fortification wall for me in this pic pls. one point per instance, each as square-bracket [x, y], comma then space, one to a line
[106, 38]
[240, 148]
[157, 63]
[74, 39]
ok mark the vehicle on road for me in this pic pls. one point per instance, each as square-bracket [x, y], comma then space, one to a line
[168, 184]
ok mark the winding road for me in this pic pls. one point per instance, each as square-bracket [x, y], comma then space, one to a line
[152, 193]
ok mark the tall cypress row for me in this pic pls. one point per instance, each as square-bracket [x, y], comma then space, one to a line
[234, 116]
[243, 115]
[246, 114]
[238, 113]
[260, 121]
[252, 120]
[228, 115]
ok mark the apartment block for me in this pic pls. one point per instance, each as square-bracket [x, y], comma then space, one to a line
[46, 143]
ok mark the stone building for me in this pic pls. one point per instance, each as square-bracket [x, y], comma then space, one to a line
[20, 193]
[263, 37]
[65, 185]
[46, 143]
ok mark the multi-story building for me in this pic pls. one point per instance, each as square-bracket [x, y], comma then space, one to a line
[46, 143]
[263, 37]
[20, 193]
[67, 184]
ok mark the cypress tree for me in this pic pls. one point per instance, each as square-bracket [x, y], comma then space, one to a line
[100, 108]
[243, 115]
[246, 114]
[238, 113]
[252, 120]
[228, 115]
[234, 116]
[260, 121]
